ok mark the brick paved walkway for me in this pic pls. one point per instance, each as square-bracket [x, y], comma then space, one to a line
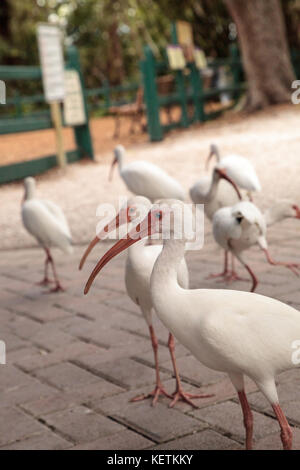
[73, 362]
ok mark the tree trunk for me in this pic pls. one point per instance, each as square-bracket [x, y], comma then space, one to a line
[265, 53]
[115, 66]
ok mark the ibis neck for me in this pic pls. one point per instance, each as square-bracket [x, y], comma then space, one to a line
[137, 248]
[274, 214]
[212, 192]
[217, 154]
[167, 265]
[29, 192]
[120, 162]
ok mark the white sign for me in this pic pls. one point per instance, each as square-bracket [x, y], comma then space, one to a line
[52, 61]
[200, 59]
[175, 57]
[74, 112]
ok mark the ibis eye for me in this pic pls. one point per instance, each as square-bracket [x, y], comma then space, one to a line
[158, 215]
[131, 210]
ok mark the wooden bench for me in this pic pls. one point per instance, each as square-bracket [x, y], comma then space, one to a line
[134, 110]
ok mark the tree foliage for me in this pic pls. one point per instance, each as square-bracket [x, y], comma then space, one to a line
[111, 33]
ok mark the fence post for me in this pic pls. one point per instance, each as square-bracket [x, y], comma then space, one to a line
[106, 94]
[236, 68]
[197, 85]
[179, 77]
[82, 132]
[148, 69]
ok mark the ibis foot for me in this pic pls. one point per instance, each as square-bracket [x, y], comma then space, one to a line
[159, 390]
[186, 397]
[58, 288]
[223, 274]
[233, 276]
[44, 282]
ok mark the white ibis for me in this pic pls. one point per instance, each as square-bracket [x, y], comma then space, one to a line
[239, 333]
[145, 179]
[216, 191]
[46, 222]
[139, 264]
[238, 168]
[241, 226]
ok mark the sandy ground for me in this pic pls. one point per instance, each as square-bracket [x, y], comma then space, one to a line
[270, 139]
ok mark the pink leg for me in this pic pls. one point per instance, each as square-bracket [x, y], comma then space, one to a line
[45, 281]
[225, 271]
[232, 275]
[286, 432]
[58, 287]
[248, 418]
[253, 277]
[159, 389]
[179, 394]
[292, 266]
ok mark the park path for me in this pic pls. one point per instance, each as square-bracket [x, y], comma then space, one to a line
[73, 362]
[270, 139]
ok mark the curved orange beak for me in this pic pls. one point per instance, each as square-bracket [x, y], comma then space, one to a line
[224, 175]
[142, 230]
[121, 219]
[111, 171]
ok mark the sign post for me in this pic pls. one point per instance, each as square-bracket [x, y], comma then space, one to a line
[52, 64]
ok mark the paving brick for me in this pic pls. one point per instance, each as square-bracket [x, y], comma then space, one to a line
[228, 418]
[31, 362]
[50, 338]
[66, 376]
[125, 440]
[42, 311]
[126, 373]
[45, 441]
[273, 441]
[85, 395]
[192, 370]
[15, 425]
[204, 440]
[158, 423]
[80, 424]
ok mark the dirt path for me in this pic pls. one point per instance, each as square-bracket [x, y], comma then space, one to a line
[270, 139]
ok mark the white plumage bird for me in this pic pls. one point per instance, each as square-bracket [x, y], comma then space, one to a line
[46, 222]
[213, 193]
[235, 332]
[243, 225]
[238, 168]
[145, 179]
[139, 264]
[216, 191]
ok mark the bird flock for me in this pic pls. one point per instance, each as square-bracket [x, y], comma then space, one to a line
[236, 332]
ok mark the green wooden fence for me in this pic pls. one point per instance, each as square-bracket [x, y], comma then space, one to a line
[37, 120]
[189, 91]
[189, 94]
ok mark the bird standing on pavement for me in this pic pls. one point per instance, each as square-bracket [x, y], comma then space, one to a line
[241, 226]
[139, 264]
[216, 191]
[46, 222]
[145, 179]
[235, 332]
